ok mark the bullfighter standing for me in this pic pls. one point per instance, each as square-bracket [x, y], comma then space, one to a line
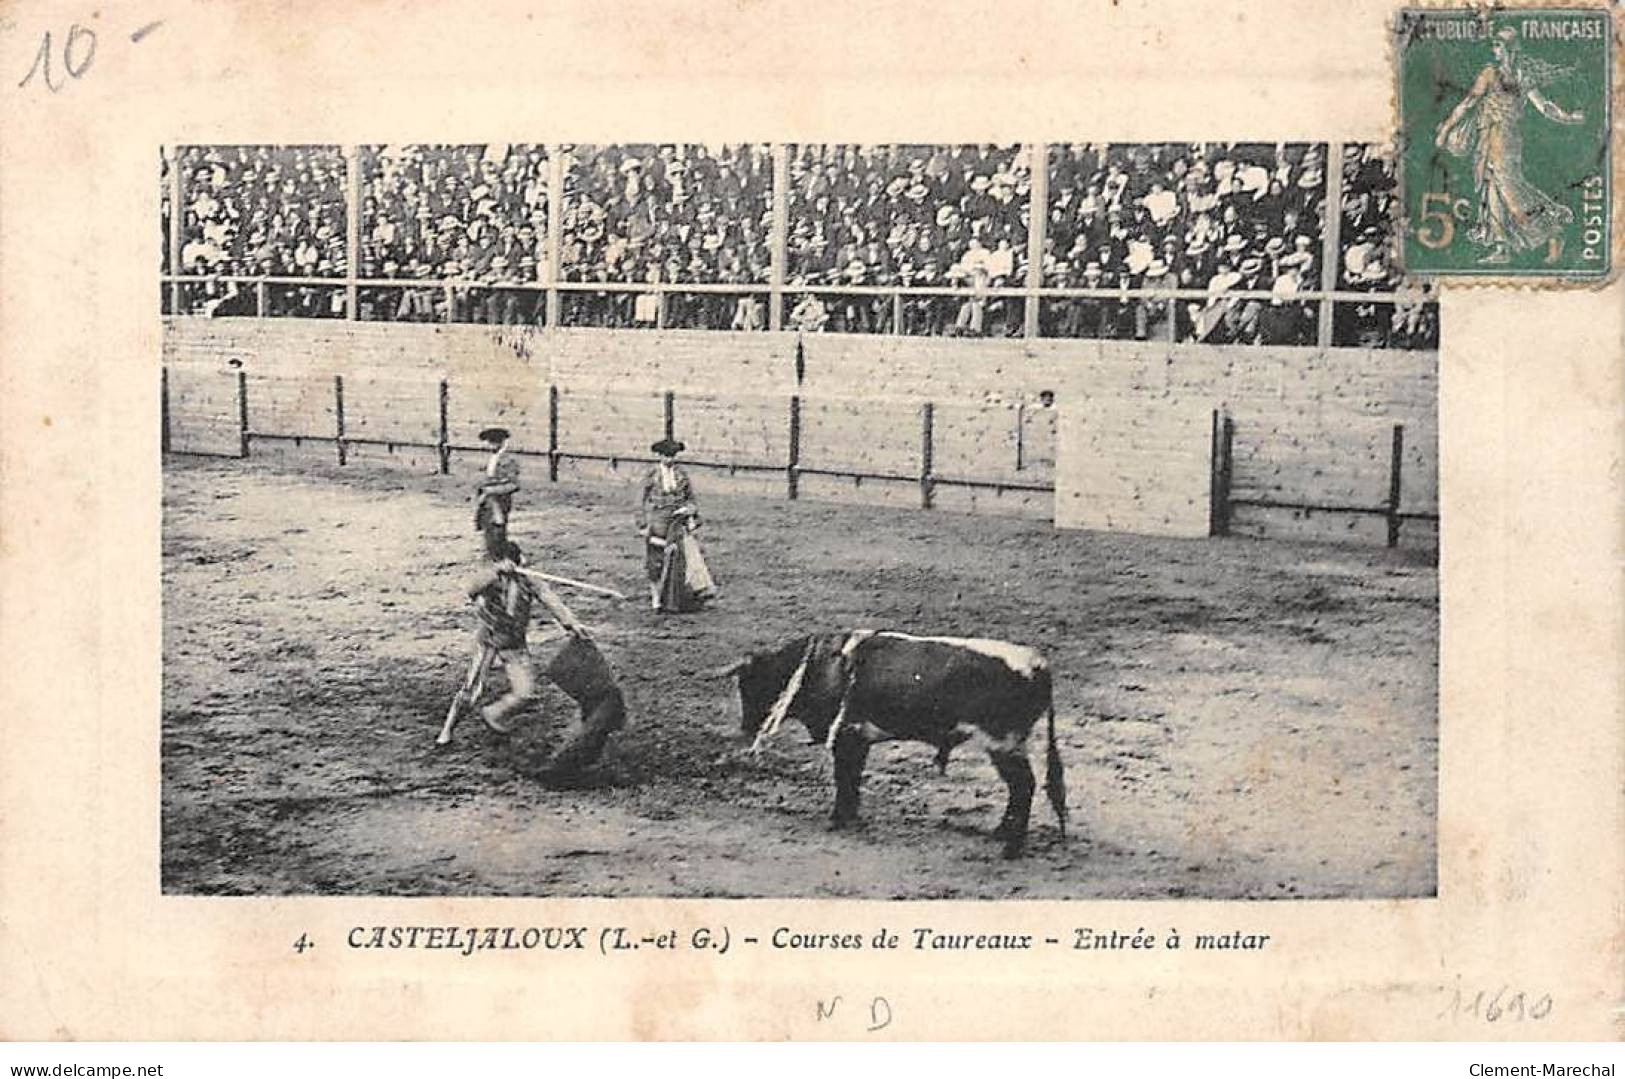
[493, 499]
[667, 516]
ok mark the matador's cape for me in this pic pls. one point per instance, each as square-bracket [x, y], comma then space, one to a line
[579, 669]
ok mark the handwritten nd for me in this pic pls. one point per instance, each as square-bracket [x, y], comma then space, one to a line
[879, 1012]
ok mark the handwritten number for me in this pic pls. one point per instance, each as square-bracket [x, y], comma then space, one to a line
[78, 53]
[42, 62]
[1492, 1008]
[77, 35]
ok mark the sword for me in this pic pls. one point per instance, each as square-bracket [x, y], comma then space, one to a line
[571, 583]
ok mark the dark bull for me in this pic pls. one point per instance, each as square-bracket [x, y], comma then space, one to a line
[853, 689]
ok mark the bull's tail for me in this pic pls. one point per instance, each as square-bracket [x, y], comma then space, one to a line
[1055, 776]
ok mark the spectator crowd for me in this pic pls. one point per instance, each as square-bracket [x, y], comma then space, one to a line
[1370, 206]
[942, 217]
[454, 213]
[667, 215]
[1241, 224]
[260, 211]
[1214, 217]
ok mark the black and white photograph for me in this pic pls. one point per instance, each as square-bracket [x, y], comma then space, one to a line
[674, 522]
[1048, 520]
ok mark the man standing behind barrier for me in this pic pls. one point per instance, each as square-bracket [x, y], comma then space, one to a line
[493, 499]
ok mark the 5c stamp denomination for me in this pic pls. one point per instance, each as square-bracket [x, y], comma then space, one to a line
[1506, 164]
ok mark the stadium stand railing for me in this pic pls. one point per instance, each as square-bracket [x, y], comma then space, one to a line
[234, 253]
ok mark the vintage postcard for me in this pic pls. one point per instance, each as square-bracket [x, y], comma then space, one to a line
[672, 521]
[1499, 178]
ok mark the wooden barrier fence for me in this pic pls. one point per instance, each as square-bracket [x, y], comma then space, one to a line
[928, 445]
[1224, 500]
[788, 444]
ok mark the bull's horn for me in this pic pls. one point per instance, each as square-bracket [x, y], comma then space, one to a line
[725, 670]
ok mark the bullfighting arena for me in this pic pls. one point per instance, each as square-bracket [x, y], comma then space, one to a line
[1239, 718]
[1165, 411]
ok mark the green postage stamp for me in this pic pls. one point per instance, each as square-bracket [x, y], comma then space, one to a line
[1505, 159]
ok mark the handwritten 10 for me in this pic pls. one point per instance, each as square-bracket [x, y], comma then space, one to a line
[78, 54]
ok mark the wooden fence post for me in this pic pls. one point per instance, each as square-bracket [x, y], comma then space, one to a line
[553, 433]
[671, 415]
[163, 409]
[1224, 433]
[338, 418]
[1396, 462]
[1213, 475]
[926, 422]
[1021, 433]
[242, 413]
[792, 470]
[444, 444]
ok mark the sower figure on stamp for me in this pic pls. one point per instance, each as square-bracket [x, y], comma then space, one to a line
[493, 499]
[679, 579]
[1513, 214]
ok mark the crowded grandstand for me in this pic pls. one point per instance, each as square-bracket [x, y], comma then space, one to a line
[1182, 242]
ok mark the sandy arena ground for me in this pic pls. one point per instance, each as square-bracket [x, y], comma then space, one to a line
[1239, 718]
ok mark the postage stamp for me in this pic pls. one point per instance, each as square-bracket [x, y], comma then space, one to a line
[1505, 159]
